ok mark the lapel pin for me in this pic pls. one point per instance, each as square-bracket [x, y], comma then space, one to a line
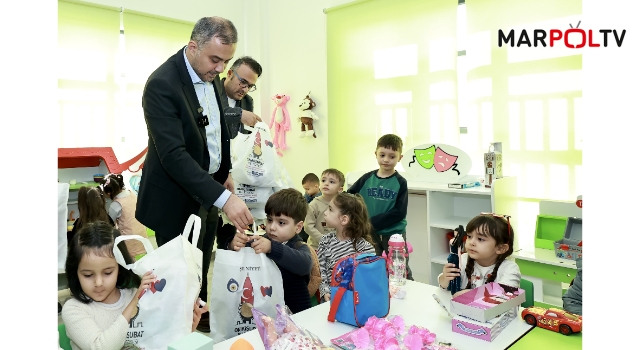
[200, 110]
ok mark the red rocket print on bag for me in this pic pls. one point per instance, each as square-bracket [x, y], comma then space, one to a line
[246, 300]
[247, 291]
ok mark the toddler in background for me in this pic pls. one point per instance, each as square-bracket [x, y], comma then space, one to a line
[91, 207]
[347, 213]
[489, 243]
[314, 224]
[123, 212]
[311, 185]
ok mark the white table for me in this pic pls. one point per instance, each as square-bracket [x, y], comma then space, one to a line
[417, 308]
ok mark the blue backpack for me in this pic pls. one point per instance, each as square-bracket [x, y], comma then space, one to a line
[359, 289]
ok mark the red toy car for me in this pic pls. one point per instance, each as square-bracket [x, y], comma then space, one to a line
[553, 319]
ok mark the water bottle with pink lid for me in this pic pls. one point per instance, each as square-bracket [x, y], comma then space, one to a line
[397, 255]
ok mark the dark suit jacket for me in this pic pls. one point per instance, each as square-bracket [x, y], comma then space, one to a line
[175, 180]
[232, 115]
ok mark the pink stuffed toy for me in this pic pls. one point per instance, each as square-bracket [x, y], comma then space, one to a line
[280, 117]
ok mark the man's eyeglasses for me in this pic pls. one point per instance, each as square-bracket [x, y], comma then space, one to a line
[244, 83]
[505, 217]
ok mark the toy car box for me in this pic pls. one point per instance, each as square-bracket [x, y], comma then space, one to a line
[485, 311]
[487, 301]
[570, 247]
[486, 331]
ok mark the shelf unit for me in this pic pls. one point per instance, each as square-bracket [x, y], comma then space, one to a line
[445, 209]
[549, 274]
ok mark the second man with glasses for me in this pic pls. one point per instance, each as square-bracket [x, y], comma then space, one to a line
[241, 79]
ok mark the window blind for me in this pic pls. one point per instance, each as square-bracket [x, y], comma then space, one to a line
[391, 69]
[102, 72]
[528, 98]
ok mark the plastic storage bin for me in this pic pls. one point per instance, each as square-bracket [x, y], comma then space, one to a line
[549, 229]
[570, 247]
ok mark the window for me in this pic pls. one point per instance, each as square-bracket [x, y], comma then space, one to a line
[432, 71]
[104, 59]
[392, 69]
[527, 98]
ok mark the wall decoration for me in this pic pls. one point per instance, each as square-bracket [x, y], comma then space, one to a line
[280, 122]
[307, 117]
[436, 162]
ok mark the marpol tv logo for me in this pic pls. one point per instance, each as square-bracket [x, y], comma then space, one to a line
[573, 38]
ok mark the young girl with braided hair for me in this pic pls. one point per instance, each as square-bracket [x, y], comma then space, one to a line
[489, 243]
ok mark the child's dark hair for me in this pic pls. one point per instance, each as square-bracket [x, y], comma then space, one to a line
[82, 196]
[311, 178]
[498, 228]
[112, 185]
[97, 238]
[390, 141]
[359, 225]
[289, 202]
[91, 206]
[337, 173]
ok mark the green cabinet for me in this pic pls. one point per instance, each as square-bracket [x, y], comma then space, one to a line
[546, 271]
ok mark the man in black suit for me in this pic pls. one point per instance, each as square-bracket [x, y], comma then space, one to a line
[188, 161]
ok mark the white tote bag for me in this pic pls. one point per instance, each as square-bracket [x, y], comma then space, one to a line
[165, 311]
[253, 197]
[241, 278]
[254, 160]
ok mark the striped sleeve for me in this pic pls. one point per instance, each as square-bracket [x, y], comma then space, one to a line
[365, 247]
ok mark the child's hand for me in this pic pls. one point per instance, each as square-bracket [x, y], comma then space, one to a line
[449, 272]
[239, 241]
[261, 245]
[147, 280]
[327, 297]
[197, 314]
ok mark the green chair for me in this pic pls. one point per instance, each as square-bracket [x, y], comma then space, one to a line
[65, 342]
[528, 292]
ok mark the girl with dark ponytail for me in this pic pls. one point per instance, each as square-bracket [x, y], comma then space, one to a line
[122, 211]
[489, 243]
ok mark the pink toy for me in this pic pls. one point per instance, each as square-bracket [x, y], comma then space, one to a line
[388, 334]
[280, 117]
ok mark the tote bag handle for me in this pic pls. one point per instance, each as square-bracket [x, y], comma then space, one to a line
[118, 254]
[193, 221]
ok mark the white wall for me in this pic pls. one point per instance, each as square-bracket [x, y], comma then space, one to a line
[293, 52]
[288, 38]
